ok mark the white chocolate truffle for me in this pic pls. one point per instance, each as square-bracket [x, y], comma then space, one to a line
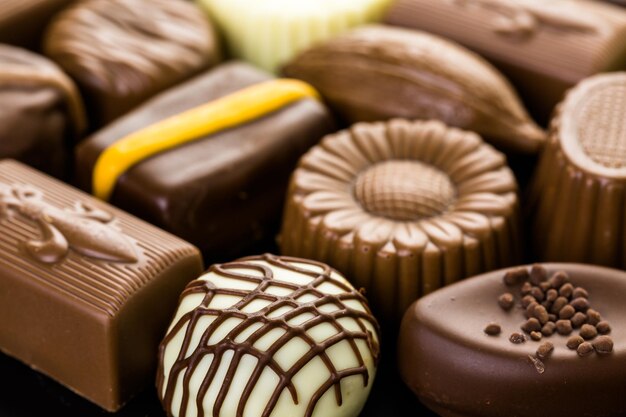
[269, 336]
[269, 33]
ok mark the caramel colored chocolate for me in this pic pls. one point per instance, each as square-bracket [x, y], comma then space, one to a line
[122, 52]
[577, 198]
[457, 370]
[543, 47]
[85, 289]
[379, 72]
[276, 336]
[402, 208]
[22, 22]
[41, 112]
[223, 191]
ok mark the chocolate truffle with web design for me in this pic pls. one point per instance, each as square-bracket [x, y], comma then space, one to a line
[208, 160]
[269, 335]
[403, 208]
[577, 197]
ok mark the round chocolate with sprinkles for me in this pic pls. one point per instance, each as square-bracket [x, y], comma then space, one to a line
[516, 379]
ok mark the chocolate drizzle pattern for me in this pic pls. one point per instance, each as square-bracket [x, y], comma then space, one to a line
[126, 46]
[263, 274]
[428, 235]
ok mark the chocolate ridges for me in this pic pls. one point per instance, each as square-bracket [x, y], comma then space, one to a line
[237, 310]
[380, 72]
[543, 47]
[85, 289]
[360, 202]
[578, 192]
[121, 52]
[457, 370]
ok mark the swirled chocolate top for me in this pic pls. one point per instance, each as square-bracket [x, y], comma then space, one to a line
[124, 51]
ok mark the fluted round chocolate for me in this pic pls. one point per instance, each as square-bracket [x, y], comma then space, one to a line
[269, 336]
[122, 52]
[402, 208]
[458, 370]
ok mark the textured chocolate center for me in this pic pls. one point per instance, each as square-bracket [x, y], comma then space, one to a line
[602, 126]
[404, 190]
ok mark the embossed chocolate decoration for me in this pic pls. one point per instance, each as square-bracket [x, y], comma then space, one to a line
[378, 72]
[41, 112]
[402, 208]
[269, 336]
[121, 52]
[85, 229]
[543, 47]
[579, 188]
[86, 290]
[456, 369]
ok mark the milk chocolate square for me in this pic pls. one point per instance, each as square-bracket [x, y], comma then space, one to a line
[86, 290]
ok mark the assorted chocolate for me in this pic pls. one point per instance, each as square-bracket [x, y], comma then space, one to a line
[379, 72]
[22, 22]
[402, 202]
[121, 52]
[456, 369]
[41, 112]
[269, 33]
[86, 290]
[208, 160]
[577, 198]
[543, 47]
[403, 208]
[269, 335]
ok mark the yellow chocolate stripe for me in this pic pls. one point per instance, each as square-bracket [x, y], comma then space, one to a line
[232, 110]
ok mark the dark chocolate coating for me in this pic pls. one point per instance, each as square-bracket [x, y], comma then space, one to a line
[41, 113]
[457, 370]
[22, 22]
[223, 192]
[122, 52]
[86, 290]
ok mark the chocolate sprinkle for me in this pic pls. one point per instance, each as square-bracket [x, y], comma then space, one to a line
[588, 332]
[567, 312]
[537, 293]
[559, 303]
[506, 301]
[527, 300]
[493, 329]
[566, 290]
[541, 314]
[578, 319]
[580, 292]
[545, 350]
[574, 341]
[538, 274]
[535, 335]
[603, 345]
[558, 279]
[515, 276]
[564, 327]
[548, 328]
[517, 338]
[603, 327]
[526, 288]
[593, 317]
[552, 295]
[585, 349]
[580, 304]
[531, 325]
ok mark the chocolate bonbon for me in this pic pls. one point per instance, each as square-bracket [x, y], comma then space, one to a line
[86, 290]
[402, 208]
[544, 47]
[576, 199]
[121, 52]
[458, 370]
[41, 114]
[379, 72]
[268, 33]
[269, 335]
[216, 176]
[22, 22]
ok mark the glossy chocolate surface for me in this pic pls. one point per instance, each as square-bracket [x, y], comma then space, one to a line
[122, 52]
[85, 289]
[22, 22]
[457, 370]
[41, 112]
[223, 192]
[543, 47]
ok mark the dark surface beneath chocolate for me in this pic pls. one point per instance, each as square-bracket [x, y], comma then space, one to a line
[31, 393]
